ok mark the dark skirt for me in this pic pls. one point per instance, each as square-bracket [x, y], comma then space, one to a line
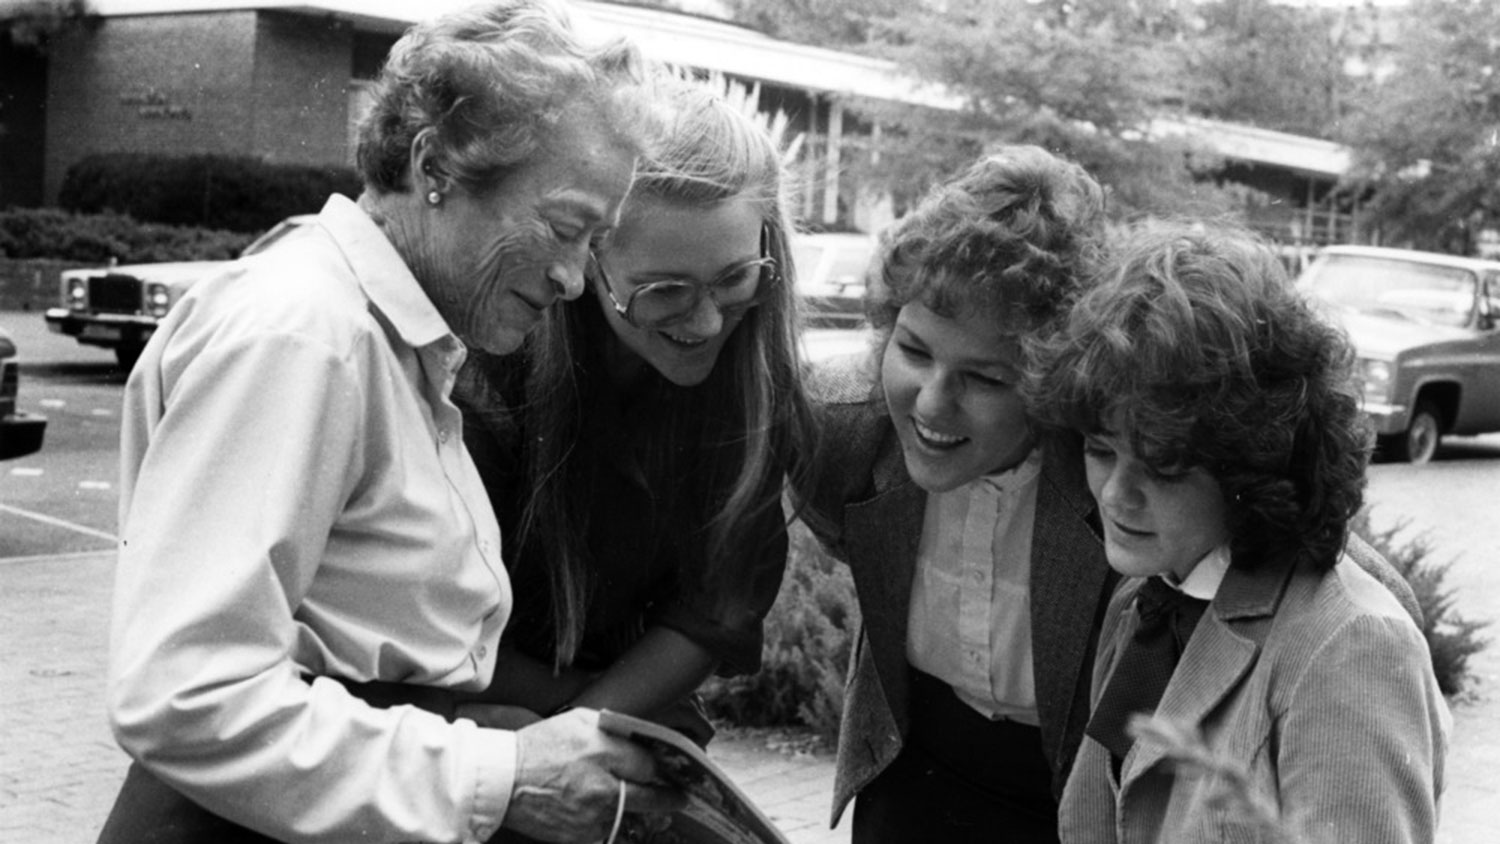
[960, 777]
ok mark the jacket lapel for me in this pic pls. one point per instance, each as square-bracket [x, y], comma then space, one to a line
[1070, 585]
[1220, 654]
[884, 532]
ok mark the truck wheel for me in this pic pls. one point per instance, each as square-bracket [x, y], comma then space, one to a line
[1420, 441]
[127, 354]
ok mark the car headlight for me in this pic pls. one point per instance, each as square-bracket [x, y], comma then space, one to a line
[1376, 375]
[158, 300]
[78, 294]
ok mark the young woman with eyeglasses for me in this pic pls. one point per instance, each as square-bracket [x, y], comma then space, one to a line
[635, 450]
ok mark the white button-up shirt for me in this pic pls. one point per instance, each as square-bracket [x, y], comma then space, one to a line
[293, 502]
[970, 613]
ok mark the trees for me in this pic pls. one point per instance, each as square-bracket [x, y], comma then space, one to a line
[1272, 65]
[1427, 138]
[1079, 77]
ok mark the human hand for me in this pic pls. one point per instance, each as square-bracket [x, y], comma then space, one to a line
[568, 776]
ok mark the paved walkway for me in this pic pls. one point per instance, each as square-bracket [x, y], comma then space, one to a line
[59, 766]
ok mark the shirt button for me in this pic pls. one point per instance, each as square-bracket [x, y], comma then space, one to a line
[442, 435]
[482, 652]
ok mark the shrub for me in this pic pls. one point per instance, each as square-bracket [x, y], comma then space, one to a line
[1451, 638]
[237, 193]
[101, 238]
[809, 636]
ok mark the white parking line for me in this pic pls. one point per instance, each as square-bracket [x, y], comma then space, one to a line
[93, 484]
[26, 472]
[52, 403]
[48, 520]
[101, 411]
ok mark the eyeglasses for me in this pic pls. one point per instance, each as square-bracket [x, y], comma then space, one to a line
[733, 291]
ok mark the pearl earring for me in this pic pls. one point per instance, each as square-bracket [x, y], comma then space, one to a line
[434, 198]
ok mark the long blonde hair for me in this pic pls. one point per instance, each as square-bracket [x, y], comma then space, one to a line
[713, 150]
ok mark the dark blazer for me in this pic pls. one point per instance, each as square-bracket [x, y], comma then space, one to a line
[868, 512]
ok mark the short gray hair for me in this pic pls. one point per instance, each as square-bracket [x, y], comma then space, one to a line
[485, 85]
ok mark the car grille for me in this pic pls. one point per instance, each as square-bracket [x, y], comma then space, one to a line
[115, 294]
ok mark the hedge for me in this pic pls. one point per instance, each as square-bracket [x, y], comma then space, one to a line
[101, 238]
[235, 193]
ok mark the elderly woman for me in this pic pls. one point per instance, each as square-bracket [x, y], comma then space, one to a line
[635, 451]
[1225, 449]
[971, 537]
[306, 545]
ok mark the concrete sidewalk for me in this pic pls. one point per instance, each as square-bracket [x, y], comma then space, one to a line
[60, 768]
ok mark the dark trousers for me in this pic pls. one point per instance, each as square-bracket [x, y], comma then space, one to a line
[148, 811]
[960, 777]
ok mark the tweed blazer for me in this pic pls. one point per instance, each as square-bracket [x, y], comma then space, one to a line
[868, 512]
[1319, 683]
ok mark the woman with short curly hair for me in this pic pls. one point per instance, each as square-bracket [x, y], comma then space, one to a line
[1225, 449]
[969, 532]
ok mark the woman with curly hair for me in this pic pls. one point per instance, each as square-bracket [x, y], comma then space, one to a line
[970, 534]
[1224, 446]
[635, 449]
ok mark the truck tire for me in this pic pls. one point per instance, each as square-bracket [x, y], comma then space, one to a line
[1419, 442]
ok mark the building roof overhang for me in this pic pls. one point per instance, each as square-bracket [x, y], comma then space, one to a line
[1312, 157]
[672, 37]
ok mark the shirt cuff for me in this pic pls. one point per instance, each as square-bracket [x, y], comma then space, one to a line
[495, 761]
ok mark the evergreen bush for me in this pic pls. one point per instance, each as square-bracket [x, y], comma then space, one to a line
[809, 635]
[1451, 638]
[235, 193]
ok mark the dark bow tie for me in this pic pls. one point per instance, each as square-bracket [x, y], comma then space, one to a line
[1167, 618]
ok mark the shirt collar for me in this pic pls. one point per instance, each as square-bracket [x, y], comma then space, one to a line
[1016, 476]
[383, 273]
[1203, 581]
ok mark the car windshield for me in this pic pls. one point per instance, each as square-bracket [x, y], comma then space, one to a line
[838, 264]
[1426, 293]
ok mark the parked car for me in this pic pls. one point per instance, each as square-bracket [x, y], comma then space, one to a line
[118, 307]
[20, 433]
[831, 277]
[1424, 327]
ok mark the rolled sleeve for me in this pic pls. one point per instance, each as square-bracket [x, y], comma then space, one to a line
[494, 763]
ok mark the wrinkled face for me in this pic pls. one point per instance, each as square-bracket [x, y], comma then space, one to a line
[950, 386]
[658, 240]
[1155, 521]
[495, 262]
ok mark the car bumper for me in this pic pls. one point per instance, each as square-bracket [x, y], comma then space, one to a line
[102, 329]
[1386, 419]
[21, 434]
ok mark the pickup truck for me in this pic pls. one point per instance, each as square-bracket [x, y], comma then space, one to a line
[119, 307]
[1426, 330]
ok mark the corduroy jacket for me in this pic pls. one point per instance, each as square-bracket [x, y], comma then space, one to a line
[1319, 684]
